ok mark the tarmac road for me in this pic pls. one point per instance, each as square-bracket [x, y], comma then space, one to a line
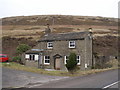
[100, 80]
[16, 79]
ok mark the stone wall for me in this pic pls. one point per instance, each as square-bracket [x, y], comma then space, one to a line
[62, 48]
[83, 49]
[32, 63]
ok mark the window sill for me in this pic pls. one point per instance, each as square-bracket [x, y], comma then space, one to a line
[72, 47]
[46, 64]
[49, 48]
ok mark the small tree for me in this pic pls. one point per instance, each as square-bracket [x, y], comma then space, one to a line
[19, 50]
[22, 48]
[71, 63]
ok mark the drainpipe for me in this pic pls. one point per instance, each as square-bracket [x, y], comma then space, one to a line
[90, 30]
[85, 55]
[93, 62]
[39, 61]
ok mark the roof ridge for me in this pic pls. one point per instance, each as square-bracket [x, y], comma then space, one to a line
[70, 32]
[64, 36]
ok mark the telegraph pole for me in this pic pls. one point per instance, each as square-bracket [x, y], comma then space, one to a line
[53, 20]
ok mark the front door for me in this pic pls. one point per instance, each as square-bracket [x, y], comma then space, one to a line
[57, 63]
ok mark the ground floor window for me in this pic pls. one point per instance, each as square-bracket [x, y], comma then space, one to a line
[33, 57]
[47, 60]
[67, 58]
[78, 60]
[27, 56]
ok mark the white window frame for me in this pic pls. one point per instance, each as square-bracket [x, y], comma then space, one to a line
[78, 59]
[46, 59]
[65, 59]
[36, 57]
[73, 43]
[27, 56]
[86, 65]
[49, 46]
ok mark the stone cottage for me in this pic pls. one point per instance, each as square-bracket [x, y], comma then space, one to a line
[53, 50]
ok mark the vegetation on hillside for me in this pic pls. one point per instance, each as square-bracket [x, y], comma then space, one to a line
[29, 29]
[59, 20]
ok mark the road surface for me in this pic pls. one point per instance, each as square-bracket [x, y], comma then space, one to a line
[108, 79]
[16, 79]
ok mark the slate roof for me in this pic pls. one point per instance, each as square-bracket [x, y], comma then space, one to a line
[35, 51]
[64, 36]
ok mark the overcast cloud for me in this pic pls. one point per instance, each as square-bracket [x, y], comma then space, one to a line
[105, 8]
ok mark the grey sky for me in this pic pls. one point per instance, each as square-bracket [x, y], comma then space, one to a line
[106, 8]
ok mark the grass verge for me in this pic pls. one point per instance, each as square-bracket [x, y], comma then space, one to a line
[17, 66]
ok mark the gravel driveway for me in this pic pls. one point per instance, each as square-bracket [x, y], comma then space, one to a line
[15, 78]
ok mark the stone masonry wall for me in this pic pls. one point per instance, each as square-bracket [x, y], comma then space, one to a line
[62, 48]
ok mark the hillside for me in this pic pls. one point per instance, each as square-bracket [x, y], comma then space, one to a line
[29, 29]
[59, 20]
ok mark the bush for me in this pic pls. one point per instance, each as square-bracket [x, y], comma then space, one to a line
[16, 59]
[109, 64]
[97, 66]
[22, 48]
[71, 63]
[112, 63]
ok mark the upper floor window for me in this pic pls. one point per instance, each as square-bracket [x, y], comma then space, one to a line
[50, 45]
[71, 44]
[47, 60]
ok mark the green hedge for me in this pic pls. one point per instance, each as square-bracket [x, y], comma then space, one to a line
[16, 59]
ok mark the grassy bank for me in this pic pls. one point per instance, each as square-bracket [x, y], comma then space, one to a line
[17, 66]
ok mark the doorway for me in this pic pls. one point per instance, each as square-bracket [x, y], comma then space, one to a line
[57, 63]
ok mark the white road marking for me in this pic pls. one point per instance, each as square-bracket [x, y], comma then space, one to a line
[34, 86]
[46, 82]
[110, 85]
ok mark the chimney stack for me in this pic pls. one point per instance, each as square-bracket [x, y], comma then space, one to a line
[47, 30]
[90, 29]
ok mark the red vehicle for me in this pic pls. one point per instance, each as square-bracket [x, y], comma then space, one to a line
[3, 58]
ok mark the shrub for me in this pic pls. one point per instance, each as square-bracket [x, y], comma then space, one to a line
[71, 63]
[109, 64]
[112, 63]
[98, 66]
[22, 48]
[16, 59]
